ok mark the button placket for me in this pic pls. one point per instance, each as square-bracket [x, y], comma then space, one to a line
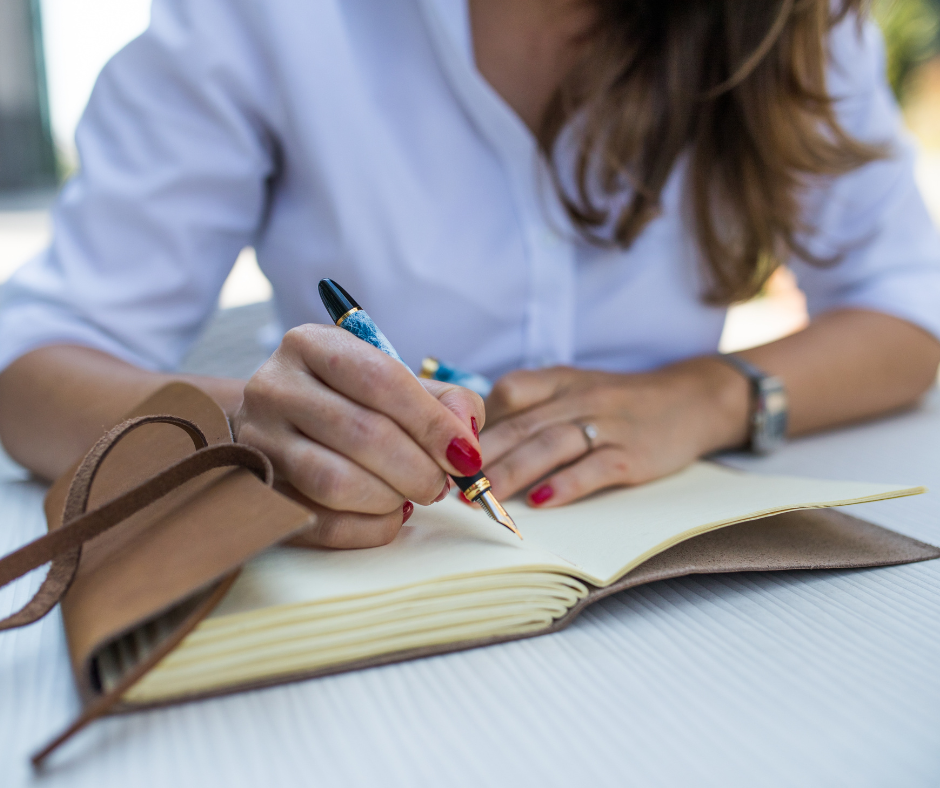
[548, 331]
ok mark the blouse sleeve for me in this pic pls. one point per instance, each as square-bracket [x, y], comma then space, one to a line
[871, 221]
[174, 163]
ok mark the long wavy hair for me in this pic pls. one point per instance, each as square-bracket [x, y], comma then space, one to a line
[737, 86]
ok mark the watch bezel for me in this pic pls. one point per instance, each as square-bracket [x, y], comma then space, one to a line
[769, 415]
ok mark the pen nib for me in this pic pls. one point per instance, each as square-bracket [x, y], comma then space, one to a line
[495, 510]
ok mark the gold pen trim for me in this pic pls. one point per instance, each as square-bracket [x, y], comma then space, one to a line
[476, 489]
[429, 366]
[342, 318]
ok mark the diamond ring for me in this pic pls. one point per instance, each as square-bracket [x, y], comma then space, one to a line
[589, 431]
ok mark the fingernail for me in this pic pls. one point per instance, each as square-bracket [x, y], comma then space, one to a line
[407, 509]
[464, 457]
[541, 494]
[473, 424]
[443, 493]
[465, 499]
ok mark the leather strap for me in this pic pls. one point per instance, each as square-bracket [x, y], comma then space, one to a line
[102, 705]
[63, 546]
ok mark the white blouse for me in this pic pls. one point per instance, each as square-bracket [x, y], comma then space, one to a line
[355, 139]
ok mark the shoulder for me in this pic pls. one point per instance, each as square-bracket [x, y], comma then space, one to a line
[856, 79]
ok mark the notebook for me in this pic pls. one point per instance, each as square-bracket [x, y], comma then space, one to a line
[452, 576]
[195, 593]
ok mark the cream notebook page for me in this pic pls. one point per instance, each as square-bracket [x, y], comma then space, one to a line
[597, 540]
[453, 575]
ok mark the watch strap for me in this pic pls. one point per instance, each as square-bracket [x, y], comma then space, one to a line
[768, 406]
[746, 368]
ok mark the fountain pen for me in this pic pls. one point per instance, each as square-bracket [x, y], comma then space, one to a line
[347, 314]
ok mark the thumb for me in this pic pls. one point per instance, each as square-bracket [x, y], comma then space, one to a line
[466, 404]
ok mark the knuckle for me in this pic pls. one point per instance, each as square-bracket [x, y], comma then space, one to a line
[268, 386]
[327, 485]
[596, 398]
[522, 426]
[368, 429]
[296, 339]
[257, 387]
[252, 435]
[375, 372]
[467, 401]
[511, 469]
[436, 424]
[549, 439]
[509, 389]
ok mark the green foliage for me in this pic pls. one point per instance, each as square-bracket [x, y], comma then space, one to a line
[912, 34]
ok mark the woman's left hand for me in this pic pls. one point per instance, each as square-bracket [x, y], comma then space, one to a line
[647, 425]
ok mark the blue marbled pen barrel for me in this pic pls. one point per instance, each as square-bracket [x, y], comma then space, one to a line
[348, 315]
[360, 324]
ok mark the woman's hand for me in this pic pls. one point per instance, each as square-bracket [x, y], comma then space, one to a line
[648, 425]
[356, 433]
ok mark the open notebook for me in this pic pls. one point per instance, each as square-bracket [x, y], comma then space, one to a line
[164, 549]
[452, 576]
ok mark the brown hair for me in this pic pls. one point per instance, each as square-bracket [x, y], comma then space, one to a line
[737, 85]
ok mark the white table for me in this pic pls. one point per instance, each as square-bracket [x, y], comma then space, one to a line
[801, 678]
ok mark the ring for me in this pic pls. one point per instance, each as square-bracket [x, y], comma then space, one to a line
[589, 431]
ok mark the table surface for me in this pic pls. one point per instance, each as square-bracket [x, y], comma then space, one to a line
[811, 678]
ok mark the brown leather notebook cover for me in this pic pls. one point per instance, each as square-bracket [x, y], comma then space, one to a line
[159, 517]
[169, 563]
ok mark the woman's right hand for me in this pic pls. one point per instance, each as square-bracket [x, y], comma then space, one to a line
[353, 431]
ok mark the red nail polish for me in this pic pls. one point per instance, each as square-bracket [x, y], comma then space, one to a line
[541, 494]
[473, 424]
[465, 499]
[464, 457]
[407, 509]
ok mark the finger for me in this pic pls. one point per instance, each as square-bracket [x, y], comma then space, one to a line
[607, 467]
[535, 457]
[369, 438]
[506, 435]
[323, 475]
[524, 388]
[448, 485]
[466, 404]
[366, 375]
[349, 530]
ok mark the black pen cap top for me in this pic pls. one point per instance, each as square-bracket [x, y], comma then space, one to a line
[336, 300]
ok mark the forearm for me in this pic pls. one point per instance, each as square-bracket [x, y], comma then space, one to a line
[845, 366]
[55, 402]
[850, 365]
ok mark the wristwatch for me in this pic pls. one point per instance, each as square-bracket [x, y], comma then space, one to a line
[768, 421]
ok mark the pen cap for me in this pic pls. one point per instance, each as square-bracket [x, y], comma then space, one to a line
[336, 300]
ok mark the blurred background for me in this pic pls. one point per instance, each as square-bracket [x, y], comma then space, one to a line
[52, 50]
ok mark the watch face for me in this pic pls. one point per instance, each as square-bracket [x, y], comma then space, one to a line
[769, 423]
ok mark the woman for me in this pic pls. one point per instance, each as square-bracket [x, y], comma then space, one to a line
[564, 194]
